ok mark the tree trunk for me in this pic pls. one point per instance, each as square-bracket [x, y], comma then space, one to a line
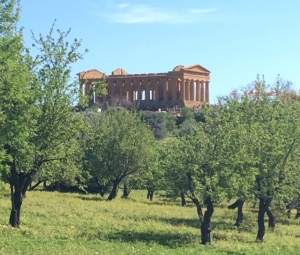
[27, 182]
[14, 219]
[199, 209]
[298, 211]
[234, 205]
[206, 223]
[102, 190]
[126, 191]
[18, 183]
[238, 204]
[150, 193]
[263, 207]
[114, 192]
[271, 219]
[183, 201]
[289, 210]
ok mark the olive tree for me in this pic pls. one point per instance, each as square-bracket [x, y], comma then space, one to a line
[119, 145]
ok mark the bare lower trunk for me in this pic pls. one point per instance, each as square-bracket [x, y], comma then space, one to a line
[14, 219]
[271, 219]
[126, 191]
[298, 211]
[263, 208]
[150, 193]
[183, 201]
[238, 204]
[206, 223]
[114, 192]
[19, 182]
[199, 210]
[18, 185]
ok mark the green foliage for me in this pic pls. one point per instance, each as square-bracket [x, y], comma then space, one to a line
[187, 127]
[268, 142]
[17, 95]
[119, 145]
[172, 166]
[162, 123]
[157, 123]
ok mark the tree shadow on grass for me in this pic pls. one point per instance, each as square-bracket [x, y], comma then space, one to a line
[89, 198]
[166, 239]
[161, 202]
[195, 223]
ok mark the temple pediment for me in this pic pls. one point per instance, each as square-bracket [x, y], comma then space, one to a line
[193, 68]
[196, 68]
[90, 74]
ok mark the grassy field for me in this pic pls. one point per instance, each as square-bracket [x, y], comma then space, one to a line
[55, 223]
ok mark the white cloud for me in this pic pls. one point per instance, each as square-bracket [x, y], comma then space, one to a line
[121, 6]
[132, 14]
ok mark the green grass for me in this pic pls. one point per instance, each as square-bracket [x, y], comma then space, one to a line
[55, 223]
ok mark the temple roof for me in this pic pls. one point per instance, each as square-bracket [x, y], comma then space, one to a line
[90, 74]
[195, 68]
[95, 74]
[119, 71]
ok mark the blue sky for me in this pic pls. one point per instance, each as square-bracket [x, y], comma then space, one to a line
[235, 40]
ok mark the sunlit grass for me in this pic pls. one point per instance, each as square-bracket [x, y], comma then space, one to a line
[57, 223]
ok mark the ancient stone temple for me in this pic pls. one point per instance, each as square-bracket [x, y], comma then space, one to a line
[183, 86]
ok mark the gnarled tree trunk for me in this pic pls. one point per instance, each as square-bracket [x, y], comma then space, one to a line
[238, 204]
[150, 193]
[126, 191]
[206, 223]
[263, 208]
[271, 219]
[114, 192]
[19, 183]
[183, 201]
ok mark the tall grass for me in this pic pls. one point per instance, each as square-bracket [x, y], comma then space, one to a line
[57, 223]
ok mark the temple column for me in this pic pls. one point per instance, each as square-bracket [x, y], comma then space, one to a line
[207, 91]
[152, 84]
[118, 89]
[129, 85]
[113, 89]
[135, 89]
[182, 89]
[140, 91]
[198, 96]
[192, 90]
[147, 91]
[155, 93]
[86, 88]
[202, 91]
[165, 84]
[187, 90]
[174, 89]
[121, 90]
[178, 93]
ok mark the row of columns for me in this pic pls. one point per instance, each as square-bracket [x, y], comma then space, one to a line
[156, 89]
